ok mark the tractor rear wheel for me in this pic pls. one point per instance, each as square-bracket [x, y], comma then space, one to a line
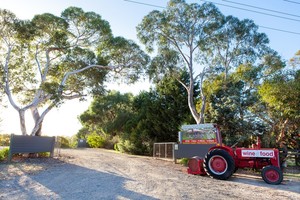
[272, 175]
[219, 164]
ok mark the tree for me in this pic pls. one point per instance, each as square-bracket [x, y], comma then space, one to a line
[295, 61]
[199, 39]
[281, 96]
[230, 104]
[234, 43]
[108, 113]
[51, 59]
[160, 112]
[141, 120]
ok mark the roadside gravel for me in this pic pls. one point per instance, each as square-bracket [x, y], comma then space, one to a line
[103, 174]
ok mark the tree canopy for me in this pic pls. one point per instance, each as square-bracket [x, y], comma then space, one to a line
[201, 40]
[50, 59]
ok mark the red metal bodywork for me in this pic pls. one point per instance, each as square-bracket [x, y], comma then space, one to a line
[195, 166]
[254, 158]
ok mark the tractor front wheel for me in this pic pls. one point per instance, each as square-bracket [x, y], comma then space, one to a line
[219, 164]
[272, 175]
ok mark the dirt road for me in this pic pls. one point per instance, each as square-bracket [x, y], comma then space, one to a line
[102, 174]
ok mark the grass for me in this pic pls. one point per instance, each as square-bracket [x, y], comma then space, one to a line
[4, 154]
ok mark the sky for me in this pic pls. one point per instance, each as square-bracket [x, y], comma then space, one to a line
[279, 19]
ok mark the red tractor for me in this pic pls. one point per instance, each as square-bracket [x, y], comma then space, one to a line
[222, 161]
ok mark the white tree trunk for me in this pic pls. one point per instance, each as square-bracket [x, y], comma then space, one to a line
[202, 111]
[37, 130]
[22, 122]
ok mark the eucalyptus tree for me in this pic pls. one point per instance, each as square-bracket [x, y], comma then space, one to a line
[295, 61]
[281, 98]
[50, 59]
[201, 40]
[108, 113]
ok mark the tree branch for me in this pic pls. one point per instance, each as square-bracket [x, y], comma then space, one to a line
[6, 80]
[66, 76]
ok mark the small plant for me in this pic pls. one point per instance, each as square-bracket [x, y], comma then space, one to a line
[43, 154]
[184, 161]
[4, 154]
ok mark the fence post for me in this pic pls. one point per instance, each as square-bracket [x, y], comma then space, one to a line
[10, 148]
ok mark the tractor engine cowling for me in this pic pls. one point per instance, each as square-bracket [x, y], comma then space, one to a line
[256, 158]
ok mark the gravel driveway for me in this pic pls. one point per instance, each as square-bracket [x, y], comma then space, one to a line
[102, 174]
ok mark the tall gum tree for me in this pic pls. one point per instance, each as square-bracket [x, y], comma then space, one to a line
[51, 59]
[280, 95]
[202, 41]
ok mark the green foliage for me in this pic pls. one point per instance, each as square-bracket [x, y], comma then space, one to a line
[234, 59]
[199, 39]
[295, 61]
[124, 54]
[281, 99]
[4, 153]
[44, 154]
[229, 106]
[124, 146]
[64, 142]
[184, 161]
[283, 94]
[95, 140]
[4, 139]
[61, 58]
[83, 132]
[179, 32]
[139, 121]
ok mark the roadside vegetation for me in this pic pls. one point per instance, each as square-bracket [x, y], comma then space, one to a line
[205, 67]
[234, 80]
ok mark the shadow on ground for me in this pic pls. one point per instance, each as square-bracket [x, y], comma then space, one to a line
[68, 181]
[288, 183]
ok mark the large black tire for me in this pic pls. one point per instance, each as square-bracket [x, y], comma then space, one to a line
[219, 164]
[272, 175]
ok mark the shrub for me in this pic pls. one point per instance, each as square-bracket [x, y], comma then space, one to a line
[124, 146]
[184, 161]
[4, 154]
[64, 142]
[137, 148]
[4, 139]
[67, 142]
[111, 142]
[44, 154]
[94, 140]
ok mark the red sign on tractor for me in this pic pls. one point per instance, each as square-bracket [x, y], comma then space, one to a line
[258, 153]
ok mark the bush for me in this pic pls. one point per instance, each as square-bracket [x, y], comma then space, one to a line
[64, 142]
[94, 140]
[138, 148]
[4, 154]
[124, 146]
[184, 161]
[111, 143]
[67, 142]
[4, 139]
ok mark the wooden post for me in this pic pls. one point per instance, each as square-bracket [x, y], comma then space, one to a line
[10, 151]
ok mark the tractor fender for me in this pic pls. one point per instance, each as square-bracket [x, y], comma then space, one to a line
[226, 148]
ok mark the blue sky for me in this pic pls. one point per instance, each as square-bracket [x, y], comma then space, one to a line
[124, 16]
